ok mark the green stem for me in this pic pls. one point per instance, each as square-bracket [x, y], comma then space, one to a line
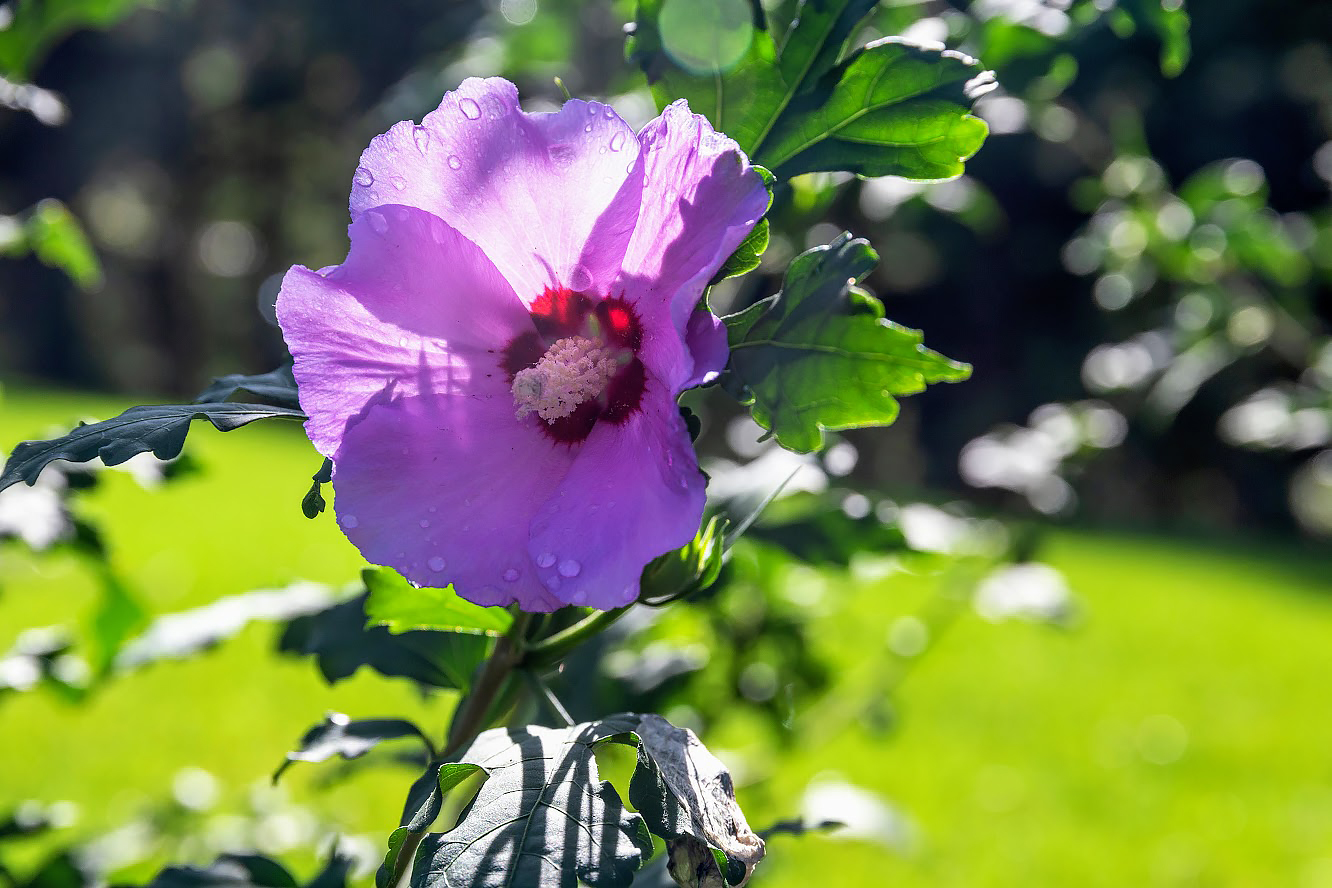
[554, 648]
[473, 713]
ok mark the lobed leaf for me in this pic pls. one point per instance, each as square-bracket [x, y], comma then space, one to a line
[891, 107]
[276, 387]
[160, 430]
[819, 355]
[400, 606]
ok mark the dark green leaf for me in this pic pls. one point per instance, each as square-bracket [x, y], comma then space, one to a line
[542, 818]
[276, 387]
[890, 107]
[339, 640]
[228, 871]
[817, 531]
[313, 501]
[160, 429]
[335, 873]
[339, 735]
[687, 798]
[117, 617]
[401, 607]
[62, 870]
[820, 355]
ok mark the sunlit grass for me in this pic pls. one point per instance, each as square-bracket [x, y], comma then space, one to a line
[1179, 734]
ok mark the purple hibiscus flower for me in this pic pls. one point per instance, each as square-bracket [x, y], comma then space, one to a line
[494, 368]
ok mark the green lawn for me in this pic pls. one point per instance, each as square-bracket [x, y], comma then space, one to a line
[1181, 734]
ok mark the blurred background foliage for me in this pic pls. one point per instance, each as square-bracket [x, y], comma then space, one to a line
[1137, 264]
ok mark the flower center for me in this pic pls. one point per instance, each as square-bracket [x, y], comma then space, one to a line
[573, 371]
[579, 364]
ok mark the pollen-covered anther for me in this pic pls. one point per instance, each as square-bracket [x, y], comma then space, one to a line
[573, 370]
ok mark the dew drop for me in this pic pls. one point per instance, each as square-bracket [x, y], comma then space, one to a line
[488, 593]
[437, 564]
[511, 575]
[424, 522]
[364, 177]
[609, 112]
[545, 559]
[588, 128]
[617, 142]
[579, 597]
[570, 568]
[421, 136]
[434, 509]
[350, 521]
[454, 162]
[402, 341]
[552, 583]
[592, 110]
[398, 182]
[470, 109]
[378, 222]
[579, 278]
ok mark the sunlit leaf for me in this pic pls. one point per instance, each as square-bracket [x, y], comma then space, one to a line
[543, 817]
[37, 25]
[887, 108]
[158, 429]
[819, 355]
[400, 606]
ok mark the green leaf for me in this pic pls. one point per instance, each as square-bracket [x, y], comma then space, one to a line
[340, 642]
[228, 871]
[543, 817]
[57, 239]
[117, 617]
[38, 24]
[160, 429]
[276, 387]
[424, 802]
[339, 735]
[400, 606]
[892, 109]
[888, 108]
[819, 355]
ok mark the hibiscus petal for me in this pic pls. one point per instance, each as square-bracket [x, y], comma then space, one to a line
[633, 492]
[551, 198]
[415, 308]
[418, 488]
[700, 200]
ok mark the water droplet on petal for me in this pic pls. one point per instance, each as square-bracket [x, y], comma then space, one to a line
[511, 575]
[488, 593]
[560, 155]
[570, 568]
[545, 559]
[629, 168]
[579, 597]
[552, 583]
[398, 182]
[421, 136]
[609, 112]
[424, 522]
[364, 177]
[579, 278]
[588, 128]
[437, 564]
[470, 109]
[617, 142]
[349, 521]
[454, 162]
[592, 110]
[378, 222]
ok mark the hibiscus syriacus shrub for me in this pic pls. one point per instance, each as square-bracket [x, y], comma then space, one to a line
[493, 374]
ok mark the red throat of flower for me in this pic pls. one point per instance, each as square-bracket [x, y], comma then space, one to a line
[579, 366]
